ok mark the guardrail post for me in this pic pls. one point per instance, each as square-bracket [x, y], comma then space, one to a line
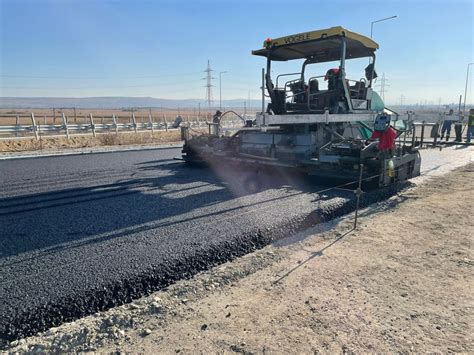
[35, 128]
[166, 123]
[65, 125]
[134, 122]
[151, 121]
[422, 134]
[115, 123]
[17, 122]
[92, 124]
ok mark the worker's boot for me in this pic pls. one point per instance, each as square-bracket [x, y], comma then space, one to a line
[447, 138]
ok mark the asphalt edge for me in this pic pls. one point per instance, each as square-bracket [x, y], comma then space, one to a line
[87, 151]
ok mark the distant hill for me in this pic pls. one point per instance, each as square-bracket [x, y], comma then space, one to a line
[112, 102]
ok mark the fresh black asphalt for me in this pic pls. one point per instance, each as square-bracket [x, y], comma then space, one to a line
[80, 234]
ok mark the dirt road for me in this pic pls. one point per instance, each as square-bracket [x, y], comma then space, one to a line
[402, 281]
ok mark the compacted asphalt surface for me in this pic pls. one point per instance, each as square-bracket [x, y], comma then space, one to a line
[83, 233]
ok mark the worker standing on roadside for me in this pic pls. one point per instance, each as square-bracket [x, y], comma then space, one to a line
[216, 120]
[458, 129]
[470, 126]
[447, 126]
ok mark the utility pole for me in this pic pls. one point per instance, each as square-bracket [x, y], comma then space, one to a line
[372, 27]
[465, 90]
[208, 85]
[383, 19]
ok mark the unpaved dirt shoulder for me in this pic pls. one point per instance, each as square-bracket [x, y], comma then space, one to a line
[402, 281]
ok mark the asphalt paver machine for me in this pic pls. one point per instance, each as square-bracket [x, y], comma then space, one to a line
[316, 123]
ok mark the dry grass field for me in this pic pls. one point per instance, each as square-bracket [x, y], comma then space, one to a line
[88, 141]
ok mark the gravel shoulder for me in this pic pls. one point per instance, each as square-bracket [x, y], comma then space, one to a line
[401, 281]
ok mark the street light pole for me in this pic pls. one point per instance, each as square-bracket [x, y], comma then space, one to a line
[465, 90]
[220, 89]
[383, 19]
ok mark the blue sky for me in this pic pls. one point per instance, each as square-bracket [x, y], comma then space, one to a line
[74, 48]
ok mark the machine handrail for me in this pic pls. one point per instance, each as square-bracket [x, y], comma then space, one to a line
[287, 74]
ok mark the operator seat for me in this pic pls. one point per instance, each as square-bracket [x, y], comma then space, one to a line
[299, 92]
[358, 91]
[313, 86]
[333, 95]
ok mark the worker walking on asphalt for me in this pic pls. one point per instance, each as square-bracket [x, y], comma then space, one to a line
[470, 126]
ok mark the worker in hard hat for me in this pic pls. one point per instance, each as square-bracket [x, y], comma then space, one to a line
[216, 120]
[386, 136]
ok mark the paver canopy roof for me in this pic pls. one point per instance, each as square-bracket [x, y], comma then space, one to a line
[322, 45]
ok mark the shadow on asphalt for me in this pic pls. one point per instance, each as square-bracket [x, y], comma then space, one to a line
[159, 193]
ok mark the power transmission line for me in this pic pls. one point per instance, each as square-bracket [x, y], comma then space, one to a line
[402, 99]
[383, 84]
[208, 85]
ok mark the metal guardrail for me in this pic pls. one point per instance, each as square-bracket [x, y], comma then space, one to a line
[68, 129]
[417, 131]
[428, 134]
